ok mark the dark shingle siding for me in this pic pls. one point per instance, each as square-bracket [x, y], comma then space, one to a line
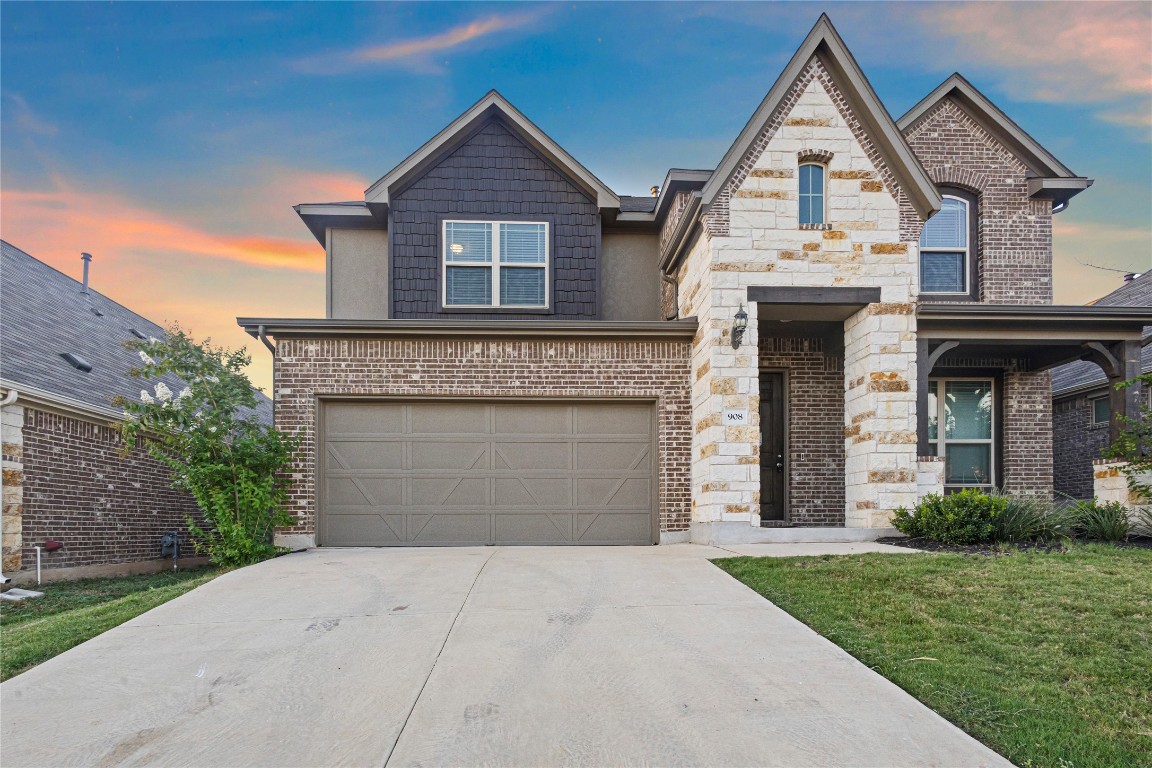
[43, 314]
[493, 173]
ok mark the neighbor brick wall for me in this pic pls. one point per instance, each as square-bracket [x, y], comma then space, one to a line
[816, 424]
[1015, 232]
[494, 173]
[307, 368]
[1076, 443]
[1027, 433]
[79, 490]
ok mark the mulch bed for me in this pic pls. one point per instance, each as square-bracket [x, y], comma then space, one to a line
[1052, 547]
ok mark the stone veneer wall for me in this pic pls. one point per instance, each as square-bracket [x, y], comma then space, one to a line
[753, 237]
[307, 368]
[1076, 443]
[77, 489]
[1015, 231]
[12, 439]
[816, 422]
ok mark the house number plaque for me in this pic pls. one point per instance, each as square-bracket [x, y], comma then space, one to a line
[735, 417]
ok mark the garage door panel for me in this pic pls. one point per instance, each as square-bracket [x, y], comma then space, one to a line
[603, 528]
[613, 456]
[533, 492]
[533, 455]
[365, 529]
[364, 454]
[361, 418]
[475, 472]
[535, 420]
[613, 492]
[536, 528]
[614, 420]
[360, 491]
[452, 418]
[447, 454]
[448, 528]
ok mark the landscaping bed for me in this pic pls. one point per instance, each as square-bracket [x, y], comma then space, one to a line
[1046, 657]
[70, 612]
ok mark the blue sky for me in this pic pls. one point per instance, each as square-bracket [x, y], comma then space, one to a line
[171, 139]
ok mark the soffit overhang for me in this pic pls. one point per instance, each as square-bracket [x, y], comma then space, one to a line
[554, 329]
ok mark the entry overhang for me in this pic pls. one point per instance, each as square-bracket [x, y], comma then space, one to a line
[797, 303]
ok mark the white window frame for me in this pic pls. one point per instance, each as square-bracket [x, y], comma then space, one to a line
[823, 194]
[967, 252]
[940, 443]
[494, 265]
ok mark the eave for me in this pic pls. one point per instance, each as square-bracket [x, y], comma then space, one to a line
[559, 330]
[318, 217]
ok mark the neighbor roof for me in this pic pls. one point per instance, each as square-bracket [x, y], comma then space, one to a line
[1085, 375]
[44, 314]
[825, 43]
[493, 104]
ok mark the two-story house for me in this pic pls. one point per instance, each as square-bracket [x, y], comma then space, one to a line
[847, 313]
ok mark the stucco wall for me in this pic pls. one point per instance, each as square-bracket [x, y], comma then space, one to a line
[357, 274]
[629, 277]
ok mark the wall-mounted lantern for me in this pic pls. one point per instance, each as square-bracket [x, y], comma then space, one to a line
[739, 325]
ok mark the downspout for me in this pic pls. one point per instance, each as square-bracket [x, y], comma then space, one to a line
[260, 334]
[8, 400]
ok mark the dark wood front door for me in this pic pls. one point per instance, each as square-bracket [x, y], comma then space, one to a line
[773, 446]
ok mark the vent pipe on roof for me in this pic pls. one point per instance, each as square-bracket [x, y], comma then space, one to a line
[87, 258]
[1131, 276]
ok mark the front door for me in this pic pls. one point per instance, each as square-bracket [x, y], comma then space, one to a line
[773, 446]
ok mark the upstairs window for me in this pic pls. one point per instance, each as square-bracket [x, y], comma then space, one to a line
[811, 193]
[945, 249]
[493, 264]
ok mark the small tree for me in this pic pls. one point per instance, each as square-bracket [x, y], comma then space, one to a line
[209, 436]
[1134, 445]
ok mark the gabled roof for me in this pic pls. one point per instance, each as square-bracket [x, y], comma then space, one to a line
[492, 104]
[824, 42]
[45, 314]
[1085, 375]
[1052, 179]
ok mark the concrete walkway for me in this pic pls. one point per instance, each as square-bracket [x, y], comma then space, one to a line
[480, 656]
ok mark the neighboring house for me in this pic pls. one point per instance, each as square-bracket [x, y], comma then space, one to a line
[514, 353]
[1082, 398]
[62, 361]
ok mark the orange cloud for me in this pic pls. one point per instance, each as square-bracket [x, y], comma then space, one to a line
[417, 49]
[1069, 52]
[70, 220]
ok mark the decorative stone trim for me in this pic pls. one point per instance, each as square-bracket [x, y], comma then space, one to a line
[815, 156]
[820, 227]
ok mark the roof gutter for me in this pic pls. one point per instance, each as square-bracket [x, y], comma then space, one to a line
[670, 259]
[555, 330]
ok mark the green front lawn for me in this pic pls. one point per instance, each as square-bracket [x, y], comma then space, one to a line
[70, 612]
[1046, 658]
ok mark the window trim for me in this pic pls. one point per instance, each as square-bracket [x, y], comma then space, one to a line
[939, 445]
[494, 265]
[1092, 411]
[971, 251]
[823, 193]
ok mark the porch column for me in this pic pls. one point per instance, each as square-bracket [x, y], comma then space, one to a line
[1121, 362]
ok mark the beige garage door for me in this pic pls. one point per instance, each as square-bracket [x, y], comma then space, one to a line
[482, 472]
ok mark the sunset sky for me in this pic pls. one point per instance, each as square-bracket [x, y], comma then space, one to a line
[170, 140]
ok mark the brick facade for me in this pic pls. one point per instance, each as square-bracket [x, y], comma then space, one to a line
[495, 174]
[309, 368]
[816, 417]
[1027, 439]
[78, 489]
[1077, 442]
[1015, 231]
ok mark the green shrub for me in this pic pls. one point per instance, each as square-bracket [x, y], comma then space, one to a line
[1144, 520]
[1028, 518]
[967, 517]
[1107, 521]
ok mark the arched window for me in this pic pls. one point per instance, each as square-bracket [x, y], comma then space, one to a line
[811, 193]
[948, 250]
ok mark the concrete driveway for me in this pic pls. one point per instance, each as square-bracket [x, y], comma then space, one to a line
[484, 656]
